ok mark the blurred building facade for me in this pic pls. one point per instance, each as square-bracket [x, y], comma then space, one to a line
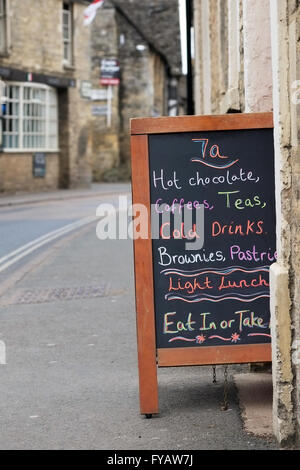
[247, 59]
[44, 56]
[134, 34]
[61, 126]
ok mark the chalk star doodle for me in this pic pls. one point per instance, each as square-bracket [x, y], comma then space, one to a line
[235, 338]
[200, 339]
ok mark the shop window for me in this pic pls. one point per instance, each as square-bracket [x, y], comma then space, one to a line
[30, 118]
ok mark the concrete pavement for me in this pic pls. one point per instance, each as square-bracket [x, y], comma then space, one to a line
[71, 381]
[255, 398]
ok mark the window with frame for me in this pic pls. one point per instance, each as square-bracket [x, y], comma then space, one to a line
[3, 26]
[67, 33]
[31, 118]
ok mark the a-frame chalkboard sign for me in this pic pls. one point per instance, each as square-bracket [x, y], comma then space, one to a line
[209, 305]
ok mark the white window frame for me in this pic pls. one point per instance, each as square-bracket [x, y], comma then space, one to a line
[68, 42]
[48, 120]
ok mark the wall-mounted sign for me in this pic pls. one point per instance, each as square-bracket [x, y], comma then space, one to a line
[208, 304]
[85, 89]
[99, 110]
[98, 94]
[39, 165]
[110, 72]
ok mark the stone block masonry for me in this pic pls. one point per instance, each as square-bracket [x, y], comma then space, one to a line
[142, 90]
[247, 60]
[35, 54]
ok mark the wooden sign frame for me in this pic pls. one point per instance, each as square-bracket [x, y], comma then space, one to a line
[149, 357]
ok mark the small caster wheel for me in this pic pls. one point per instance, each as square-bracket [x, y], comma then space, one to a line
[148, 416]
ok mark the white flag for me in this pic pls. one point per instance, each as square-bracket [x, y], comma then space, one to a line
[91, 10]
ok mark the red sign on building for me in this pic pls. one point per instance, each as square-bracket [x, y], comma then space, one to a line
[110, 72]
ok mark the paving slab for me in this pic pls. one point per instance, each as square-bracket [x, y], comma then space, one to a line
[255, 393]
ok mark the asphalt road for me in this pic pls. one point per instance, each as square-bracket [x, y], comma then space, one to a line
[67, 319]
[25, 227]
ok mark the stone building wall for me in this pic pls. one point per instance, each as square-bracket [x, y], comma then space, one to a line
[219, 58]
[16, 173]
[143, 82]
[248, 60]
[258, 60]
[233, 71]
[105, 139]
[285, 23]
[142, 90]
[35, 47]
[79, 118]
[35, 35]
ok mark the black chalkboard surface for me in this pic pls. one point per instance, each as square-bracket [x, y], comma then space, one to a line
[219, 294]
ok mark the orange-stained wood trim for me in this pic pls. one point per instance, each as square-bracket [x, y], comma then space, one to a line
[206, 355]
[237, 121]
[145, 319]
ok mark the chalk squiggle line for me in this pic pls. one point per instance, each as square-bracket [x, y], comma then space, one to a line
[180, 338]
[222, 167]
[221, 270]
[259, 334]
[190, 296]
[224, 271]
[220, 337]
[217, 300]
